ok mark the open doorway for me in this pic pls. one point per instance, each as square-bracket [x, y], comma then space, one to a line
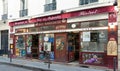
[34, 48]
[73, 46]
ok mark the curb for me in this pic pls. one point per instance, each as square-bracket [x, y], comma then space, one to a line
[27, 67]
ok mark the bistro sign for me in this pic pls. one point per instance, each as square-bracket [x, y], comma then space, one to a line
[65, 15]
[21, 22]
[56, 22]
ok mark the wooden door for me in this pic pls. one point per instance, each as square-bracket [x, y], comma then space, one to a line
[60, 47]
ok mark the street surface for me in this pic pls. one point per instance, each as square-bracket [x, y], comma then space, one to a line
[4, 67]
[18, 64]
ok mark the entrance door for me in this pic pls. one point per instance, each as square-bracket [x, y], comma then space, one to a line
[4, 41]
[60, 47]
[35, 49]
[73, 46]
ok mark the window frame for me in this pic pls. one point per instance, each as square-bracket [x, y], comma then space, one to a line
[50, 5]
[84, 2]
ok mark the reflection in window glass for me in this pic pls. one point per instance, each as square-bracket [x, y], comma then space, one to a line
[48, 28]
[101, 23]
[84, 24]
[51, 40]
[33, 29]
[93, 58]
[22, 30]
[20, 45]
[97, 41]
[83, 2]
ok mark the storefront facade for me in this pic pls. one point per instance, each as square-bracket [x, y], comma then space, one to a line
[84, 36]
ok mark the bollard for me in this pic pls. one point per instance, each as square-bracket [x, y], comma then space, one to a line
[10, 56]
[49, 60]
[47, 55]
[114, 63]
[11, 47]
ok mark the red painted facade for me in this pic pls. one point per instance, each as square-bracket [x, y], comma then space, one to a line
[57, 20]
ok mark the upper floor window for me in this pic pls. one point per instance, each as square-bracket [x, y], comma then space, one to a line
[23, 4]
[5, 10]
[83, 2]
[23, 8]
[50, 5]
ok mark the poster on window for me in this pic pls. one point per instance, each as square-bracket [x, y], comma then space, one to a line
[86, 36]
[92, 58]
[20, 42]
[47, 46]
[29, 43]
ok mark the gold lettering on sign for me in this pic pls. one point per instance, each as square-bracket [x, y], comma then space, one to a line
[57, 22]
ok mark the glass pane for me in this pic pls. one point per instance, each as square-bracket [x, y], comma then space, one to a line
[101, 23]
[53, 1]
[84, 24]
[94, 24]
[21, 30]
[92, 58]
[86, 1]
[48, 28]
[60, 43]
[29, 43]
[97, 41]
[20, 45]
[91, 1]
[51, 40]
[81, 2]
[34, 29]
[47, 1]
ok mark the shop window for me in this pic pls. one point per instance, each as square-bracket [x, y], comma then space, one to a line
[94, 37]
[84, 24]
[45, 28]
[101, 23]
[92, 58]
[20, 42]
[29, 43]
[94, 41]
[23, 30]
[20, 45]
[40, 29]
[94, 24]
[48, 45]
[40, 42]
[33, 29]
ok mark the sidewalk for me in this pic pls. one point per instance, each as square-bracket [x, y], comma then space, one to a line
[37, 64]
